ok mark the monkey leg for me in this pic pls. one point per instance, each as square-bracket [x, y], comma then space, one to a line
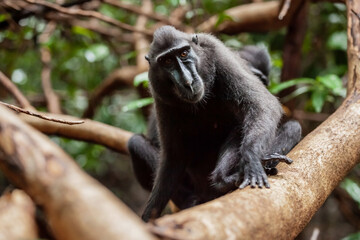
[144, 158]
[288, 135]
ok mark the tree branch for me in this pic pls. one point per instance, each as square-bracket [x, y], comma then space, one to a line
[353, 12]
[86, 13]
[76, 205]
[58, 120]
[252, 17]
[52, 99]
[144, 12]
[17, 216]
[90, 131]
[13, 90]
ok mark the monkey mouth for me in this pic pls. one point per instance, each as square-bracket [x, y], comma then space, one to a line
[191, 94]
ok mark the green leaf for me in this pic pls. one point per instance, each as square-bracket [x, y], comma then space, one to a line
[334, 83]
[297, 93]
[318, 98]
[82, 31]
[141, 78]
[330, 81]
[338, 41]
[355, 236]
[278, 88]
[4, 17]
[352, 188]
[137, 104]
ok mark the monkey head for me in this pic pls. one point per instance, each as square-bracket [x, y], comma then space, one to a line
[174, 65]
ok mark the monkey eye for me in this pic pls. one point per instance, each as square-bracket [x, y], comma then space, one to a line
[184, 54]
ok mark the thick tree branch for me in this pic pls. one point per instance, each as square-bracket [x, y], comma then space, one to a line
[17, 216]
[252, 17]
[76, 205]
[296, 32]
[90, 131]
[353, 32]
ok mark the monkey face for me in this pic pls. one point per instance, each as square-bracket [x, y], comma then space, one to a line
[174, 69]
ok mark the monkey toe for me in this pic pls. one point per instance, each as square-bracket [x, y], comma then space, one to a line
[276, 157]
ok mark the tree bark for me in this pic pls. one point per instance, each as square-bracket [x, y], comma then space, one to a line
[252, 17]
[17, 216]
[76, 205]
[90, 131]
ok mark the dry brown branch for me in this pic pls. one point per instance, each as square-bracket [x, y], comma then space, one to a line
[17, 216]
[76, 205]
[252, 17]
[284, 9]
[88, 13]
[90, 131]
[353, 11]
[141, 42]
[144, 12]
[52, 99]
[13, 90]
[294, 39]
[58, 120]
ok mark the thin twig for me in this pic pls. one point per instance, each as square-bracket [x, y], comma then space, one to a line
[52, 99]
[86, 13]
[12, 89]
[141, 11]
[17, 109]
[284, 9]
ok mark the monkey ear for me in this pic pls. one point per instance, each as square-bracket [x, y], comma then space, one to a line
[195, 39]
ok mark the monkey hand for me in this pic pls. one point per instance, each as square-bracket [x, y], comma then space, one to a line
[253, 174]
[270, 161]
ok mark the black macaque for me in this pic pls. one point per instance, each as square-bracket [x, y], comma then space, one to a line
[215, 127]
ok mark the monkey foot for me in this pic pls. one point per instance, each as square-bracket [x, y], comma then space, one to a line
[270, 161]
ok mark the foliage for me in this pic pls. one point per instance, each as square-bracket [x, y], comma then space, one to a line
[321, 89]
[352, 188]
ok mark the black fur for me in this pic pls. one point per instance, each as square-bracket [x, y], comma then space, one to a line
[213, 125]
[259, 61]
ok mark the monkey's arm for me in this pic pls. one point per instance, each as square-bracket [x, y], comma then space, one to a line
[172, 163]
[145, 160]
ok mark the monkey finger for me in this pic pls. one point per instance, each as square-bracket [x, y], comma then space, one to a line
[260, 182]
[253, 182]
[245, 183]
[278, 157]
[267, 185]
